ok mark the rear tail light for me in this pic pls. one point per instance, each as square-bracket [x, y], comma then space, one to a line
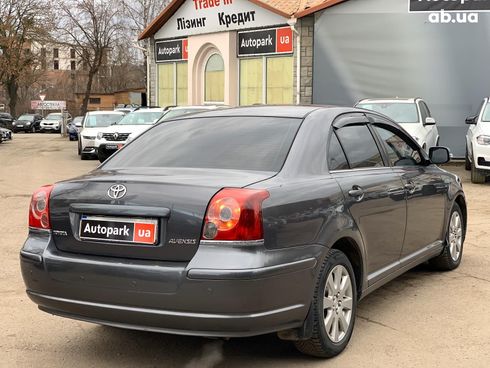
[235, 214]
[39, 209]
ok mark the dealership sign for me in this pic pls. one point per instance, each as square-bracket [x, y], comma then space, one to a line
[265, 42]
[48, 105]
[171, 50]
[211, 16]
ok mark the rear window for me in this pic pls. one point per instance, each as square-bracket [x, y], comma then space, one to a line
[237, 143]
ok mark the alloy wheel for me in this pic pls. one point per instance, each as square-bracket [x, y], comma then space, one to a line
[337, 303]
[455, 236]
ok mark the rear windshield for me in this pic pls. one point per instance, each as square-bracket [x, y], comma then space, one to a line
[180, 112]
[399, 112]
[237, 143]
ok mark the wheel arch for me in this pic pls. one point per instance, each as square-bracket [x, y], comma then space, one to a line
[352, 250]
[460, 200]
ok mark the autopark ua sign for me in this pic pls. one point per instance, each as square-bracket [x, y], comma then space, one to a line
[171, 50]
[211, 16]
[265, 42]
[48, 105]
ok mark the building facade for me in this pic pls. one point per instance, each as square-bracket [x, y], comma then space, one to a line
[232, 52]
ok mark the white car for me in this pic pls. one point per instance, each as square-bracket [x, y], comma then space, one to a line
[52, 122]
[411, 113]
[478, 144]
[93, 122]
[135, 123]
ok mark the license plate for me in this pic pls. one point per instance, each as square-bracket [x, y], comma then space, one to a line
[20, 126]
[111, 146]
[116, 229]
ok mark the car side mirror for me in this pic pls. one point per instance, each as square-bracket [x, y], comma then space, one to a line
[430, 121]
[471, 119]
[439, 155]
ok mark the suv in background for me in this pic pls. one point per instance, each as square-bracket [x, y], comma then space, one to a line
[6, 120]
[52, 122]
[477, 158]
[27, 123]
[93, 122]
[411, 113]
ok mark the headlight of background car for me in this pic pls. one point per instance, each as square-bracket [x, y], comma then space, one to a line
[483, 140]
[28, 123]
[88, 137]
[99, 135]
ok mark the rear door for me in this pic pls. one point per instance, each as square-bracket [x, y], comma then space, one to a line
[373, 192]
[425, 187]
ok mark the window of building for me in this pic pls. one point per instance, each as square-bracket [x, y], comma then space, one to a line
[214, 79]
[56, 53]
[73, 65]
[266, 79]
[72, 53]
[56, 64]
[172, 84]
[279, 81]
[251, 81]
[94, 100]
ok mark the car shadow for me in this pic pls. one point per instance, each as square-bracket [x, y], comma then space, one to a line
[128, 348]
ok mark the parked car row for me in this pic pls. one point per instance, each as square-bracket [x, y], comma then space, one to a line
[5, 135]
[105, 132]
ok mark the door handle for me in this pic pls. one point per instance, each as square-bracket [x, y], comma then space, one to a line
[409, 187]
[357, 192]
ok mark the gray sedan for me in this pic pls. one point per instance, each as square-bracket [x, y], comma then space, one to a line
[245, 221]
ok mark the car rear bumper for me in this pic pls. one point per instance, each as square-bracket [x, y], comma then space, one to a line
[174, 297]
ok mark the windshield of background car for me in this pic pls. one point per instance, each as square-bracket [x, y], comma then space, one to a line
[399, 112]
[101, 120]
[53, 117]
[26, 117]
[236, 143]
[180, 112]
[141, 118]
[77, 119]
[486, 114]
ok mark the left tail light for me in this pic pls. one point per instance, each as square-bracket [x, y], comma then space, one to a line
[39, 208]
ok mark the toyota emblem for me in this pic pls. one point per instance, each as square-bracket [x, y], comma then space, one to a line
[117, 191]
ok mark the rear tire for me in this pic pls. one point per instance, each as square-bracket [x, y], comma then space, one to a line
[335, 310]
[477, 176]
[450, 258]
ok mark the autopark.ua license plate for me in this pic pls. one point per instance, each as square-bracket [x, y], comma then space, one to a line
[114, 229]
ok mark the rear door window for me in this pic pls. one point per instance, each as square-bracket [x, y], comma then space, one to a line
[229, 142]
[336, 156]
[359, 147]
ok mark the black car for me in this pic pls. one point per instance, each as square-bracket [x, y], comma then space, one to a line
[243, 222]
[6, 120]
[27, 123]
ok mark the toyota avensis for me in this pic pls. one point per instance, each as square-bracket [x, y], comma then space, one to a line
[243, 222]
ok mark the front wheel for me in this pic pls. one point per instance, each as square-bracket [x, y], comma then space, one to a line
[334, 308]
[477, 176]
[450, 258]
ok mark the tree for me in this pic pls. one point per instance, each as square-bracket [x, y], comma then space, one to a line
[92, 27]
[22, 23]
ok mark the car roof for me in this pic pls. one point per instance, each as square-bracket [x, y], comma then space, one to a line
[290, 111]
[151, 109]
[105, 112]
[389, 100]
